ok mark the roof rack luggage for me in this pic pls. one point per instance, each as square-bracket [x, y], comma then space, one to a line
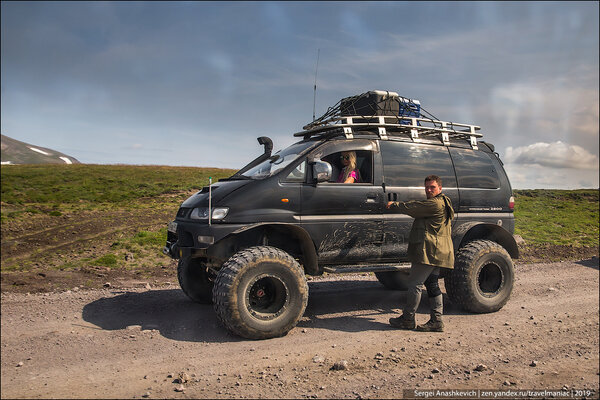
[391, 115]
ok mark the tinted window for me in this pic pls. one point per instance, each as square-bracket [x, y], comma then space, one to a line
[474, 169]
[407, 164]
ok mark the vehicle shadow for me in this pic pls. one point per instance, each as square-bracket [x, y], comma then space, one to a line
[170, 312]
[590, 262]
[368, 300]
[176, 317]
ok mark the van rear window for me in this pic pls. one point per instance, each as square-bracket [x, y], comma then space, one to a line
[474, 169]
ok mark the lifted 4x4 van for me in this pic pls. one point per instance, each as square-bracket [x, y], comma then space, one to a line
[246, 243]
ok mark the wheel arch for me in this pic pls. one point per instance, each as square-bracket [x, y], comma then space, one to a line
[292, 239]
[482, 230]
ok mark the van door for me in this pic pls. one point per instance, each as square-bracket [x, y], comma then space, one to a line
[345, 219]
[405, 166]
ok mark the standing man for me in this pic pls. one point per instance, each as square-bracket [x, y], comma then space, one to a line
[429, 249]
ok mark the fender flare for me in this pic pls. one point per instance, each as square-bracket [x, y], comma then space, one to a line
[482, 230]
[309, 252]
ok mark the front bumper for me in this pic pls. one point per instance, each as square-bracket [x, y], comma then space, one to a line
[183, 237]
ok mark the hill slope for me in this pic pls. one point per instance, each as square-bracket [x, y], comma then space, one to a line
[17, 152]
[86, 225]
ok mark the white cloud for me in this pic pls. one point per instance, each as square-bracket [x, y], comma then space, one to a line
[553, 155]
[554, 165]
[541, 177]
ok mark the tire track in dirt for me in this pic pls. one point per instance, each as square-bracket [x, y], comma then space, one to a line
[84, 232]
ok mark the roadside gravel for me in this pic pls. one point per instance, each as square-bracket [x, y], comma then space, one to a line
[152, 342]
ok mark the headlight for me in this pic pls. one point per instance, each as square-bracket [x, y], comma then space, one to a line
[218, 213]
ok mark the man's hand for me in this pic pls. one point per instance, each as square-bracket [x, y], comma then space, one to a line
[389, 204]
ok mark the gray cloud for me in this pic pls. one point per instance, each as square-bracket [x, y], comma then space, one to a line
[554, 155]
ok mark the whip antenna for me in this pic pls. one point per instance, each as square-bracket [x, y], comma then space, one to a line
[209, 199]
[315, 87]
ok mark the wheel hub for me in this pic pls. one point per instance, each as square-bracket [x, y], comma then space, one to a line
[490, 279]
[266, 297]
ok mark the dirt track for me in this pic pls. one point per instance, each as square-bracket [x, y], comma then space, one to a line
[136, 342]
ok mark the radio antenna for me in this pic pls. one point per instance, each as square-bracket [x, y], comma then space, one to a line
[315, 87]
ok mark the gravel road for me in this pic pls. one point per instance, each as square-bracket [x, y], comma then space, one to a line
[152, 342]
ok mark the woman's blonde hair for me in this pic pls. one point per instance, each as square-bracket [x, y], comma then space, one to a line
[351, 165]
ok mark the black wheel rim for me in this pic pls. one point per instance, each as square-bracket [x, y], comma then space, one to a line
[490, 279]
[266, 297]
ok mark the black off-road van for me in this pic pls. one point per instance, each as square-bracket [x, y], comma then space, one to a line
[246, 243]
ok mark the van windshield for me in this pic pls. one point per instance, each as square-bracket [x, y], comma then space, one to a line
[277, 161]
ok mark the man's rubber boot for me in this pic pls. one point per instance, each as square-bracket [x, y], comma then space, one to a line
[432, 326]
[435, 324]
[403, 322]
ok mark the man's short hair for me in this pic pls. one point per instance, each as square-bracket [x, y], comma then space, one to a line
[435, 178]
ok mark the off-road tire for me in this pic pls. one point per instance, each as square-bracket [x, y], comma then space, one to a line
[483, 277]
[260, 293]
[194, 280]
[394, 280]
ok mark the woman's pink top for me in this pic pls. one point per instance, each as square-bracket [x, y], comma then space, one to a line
[353, 174]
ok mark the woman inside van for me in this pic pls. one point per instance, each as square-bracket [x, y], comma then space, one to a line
[349, 174]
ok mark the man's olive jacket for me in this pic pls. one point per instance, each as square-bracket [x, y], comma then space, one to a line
[430, 240]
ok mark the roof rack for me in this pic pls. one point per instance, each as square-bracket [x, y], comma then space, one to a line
[388, 126]
[404, 120]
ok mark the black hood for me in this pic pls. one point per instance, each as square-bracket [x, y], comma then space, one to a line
[219, 191]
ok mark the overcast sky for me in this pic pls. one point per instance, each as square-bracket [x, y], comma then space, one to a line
[194, 83]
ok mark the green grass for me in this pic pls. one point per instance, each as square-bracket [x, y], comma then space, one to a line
[60, 184]
[107, 260]
[559, 217]
[151, 239]
[58, 189]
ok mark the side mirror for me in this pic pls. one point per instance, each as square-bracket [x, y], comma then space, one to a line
[321, 171]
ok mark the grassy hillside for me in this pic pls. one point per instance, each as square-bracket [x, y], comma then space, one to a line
[54, 189]
[79, 217]
[560, 217]
[557, 217]
[84, 217]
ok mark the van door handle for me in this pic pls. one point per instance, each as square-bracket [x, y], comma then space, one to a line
[371, 198]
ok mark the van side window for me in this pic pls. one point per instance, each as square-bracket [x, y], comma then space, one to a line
[297, 174]
[406, 164]
[474, 169]
[364, 164]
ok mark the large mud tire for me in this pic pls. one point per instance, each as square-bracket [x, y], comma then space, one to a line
[194, 280]
[483, 277]
[394, 280]
[260, 293]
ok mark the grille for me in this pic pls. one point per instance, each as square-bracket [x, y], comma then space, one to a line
[183, 212]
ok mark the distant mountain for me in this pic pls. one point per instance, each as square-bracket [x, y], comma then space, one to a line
[16, 152]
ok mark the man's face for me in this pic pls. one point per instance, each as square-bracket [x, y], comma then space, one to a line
[432, 189]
